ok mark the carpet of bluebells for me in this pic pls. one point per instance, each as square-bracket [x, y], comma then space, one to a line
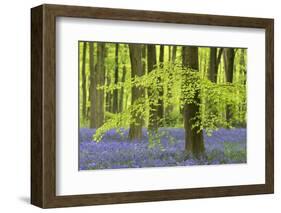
[114, 151]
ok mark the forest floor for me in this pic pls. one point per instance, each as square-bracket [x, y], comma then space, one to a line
[224, 146]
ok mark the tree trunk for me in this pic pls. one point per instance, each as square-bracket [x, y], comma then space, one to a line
[214, 63]
[229, 67]
[206, 64]
[170, 53]
[160, 108]
[169, 108]
[143, 49]
[116, 75]
[229, 64]
[193, 136]
[97, 79]
[243, 71]
[174, 54]
[135, 131]
[218, 60]
[108, 98]
[122, 89]
[84, 93]
[243, 74]
[92, 92]
[109, 81]
[151, 63]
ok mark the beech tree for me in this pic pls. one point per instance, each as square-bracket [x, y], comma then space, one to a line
[229, 68]
[128, 91]
[193, 135]
[97, 79]
[172, 60]
[160, 108]
[151, 64]
[135, 131]
[124, 71]
[214, 63]
[116, 76]
[84, 91]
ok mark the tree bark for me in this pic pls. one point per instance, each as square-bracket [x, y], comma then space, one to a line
[193, 136]
[151, 64]
[169, 108]
[229, 64]
[135, 132]
[160, 108]
[116, 75]
[84, 93]
[170, 53]
[243, 71]
[108, 98]
[97, 79]
[174, 54]
[122, 89]
[109, 81]
[218, 60]
[92, 85]
[229, 68]
[206, 64]
[214, 63]
[143, 49]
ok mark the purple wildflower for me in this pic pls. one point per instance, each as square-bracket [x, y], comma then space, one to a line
[225, 146]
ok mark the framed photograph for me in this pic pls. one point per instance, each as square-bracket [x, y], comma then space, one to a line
[136, 106]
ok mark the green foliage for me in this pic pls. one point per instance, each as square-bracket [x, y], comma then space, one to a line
[120, 120]
[185, 84]
[117, 121]
[181, 86]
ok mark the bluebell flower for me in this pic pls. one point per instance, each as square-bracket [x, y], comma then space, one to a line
[224, 146]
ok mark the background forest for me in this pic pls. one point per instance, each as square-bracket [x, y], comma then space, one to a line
[145, 105]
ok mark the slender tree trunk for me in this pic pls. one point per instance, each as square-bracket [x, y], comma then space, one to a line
[160, 108]
[108, 93]
[143, 49]
[169, 108]
[243, 71]
[84, 92]
[214, 63]
[151, 64]
[229, 64]
[116, 75]
[97, 79]
[122, 89]
[126, 100]
[92, 92]
[109, 80]
[218, 61]
[200, 59]
[170, 53]
[193, 136]
[144, 71]
[229, 68]
[135, 131]
[206, 64]
[174, 54]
